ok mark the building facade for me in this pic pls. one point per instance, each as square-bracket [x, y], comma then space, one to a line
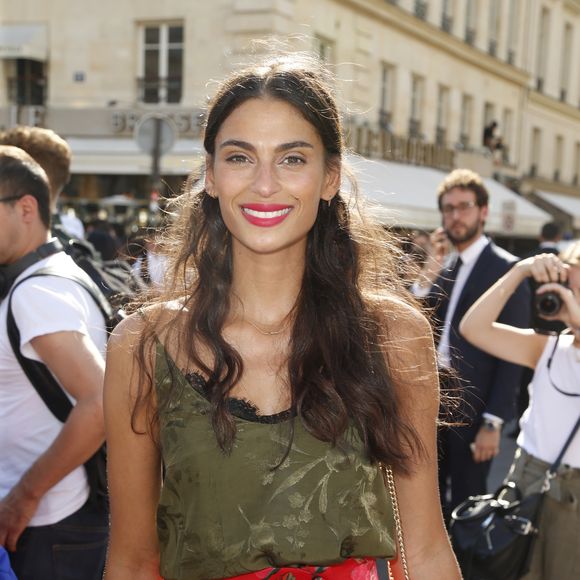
[419, 81]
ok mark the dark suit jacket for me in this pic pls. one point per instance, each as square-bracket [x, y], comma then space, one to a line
[489, 384]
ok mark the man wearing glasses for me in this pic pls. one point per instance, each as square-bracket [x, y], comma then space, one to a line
[451, 282]
[47, 523]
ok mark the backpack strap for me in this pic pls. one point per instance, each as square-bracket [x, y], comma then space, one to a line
[38, 374]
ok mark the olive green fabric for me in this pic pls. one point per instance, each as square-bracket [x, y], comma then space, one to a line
[222, 515]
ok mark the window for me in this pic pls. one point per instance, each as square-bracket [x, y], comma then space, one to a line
[470, 21]
[558, 154]
[490, 128]
[513, 18]
[387, 96]
[27, 86]
[447, 11]
[488, 113]
[543, 48]
[466, 120]
[161, 78]
[576, 177]
[417, 90]
[507, 128]
[494, 11]
[442, 115]
[565, 61]
[536, 151]
[324, 49]
[421, 9]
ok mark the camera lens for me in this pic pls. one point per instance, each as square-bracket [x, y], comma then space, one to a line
[548, 304]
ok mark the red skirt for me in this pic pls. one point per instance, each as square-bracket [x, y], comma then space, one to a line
[352, 569]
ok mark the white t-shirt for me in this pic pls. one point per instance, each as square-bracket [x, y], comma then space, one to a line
[550, 417]
[72, 225]
[42, 305]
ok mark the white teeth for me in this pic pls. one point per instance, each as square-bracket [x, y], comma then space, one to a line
[266, 214]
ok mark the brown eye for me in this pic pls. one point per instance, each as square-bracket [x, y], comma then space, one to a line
[294, 160]
[237, 158]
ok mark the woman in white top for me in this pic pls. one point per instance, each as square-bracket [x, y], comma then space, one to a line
[554, 401]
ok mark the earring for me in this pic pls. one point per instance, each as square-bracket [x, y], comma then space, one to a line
[329, 201]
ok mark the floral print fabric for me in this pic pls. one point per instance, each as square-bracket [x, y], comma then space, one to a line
[266, 505]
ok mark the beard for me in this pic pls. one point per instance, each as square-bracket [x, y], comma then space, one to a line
[470, 233]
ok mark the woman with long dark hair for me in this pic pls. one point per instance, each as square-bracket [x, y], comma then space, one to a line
[250, 408]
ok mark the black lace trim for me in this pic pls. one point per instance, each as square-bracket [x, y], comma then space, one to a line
[241, 408]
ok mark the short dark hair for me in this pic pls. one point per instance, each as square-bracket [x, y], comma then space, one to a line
[21, 175]
[467, 180]
[551, 232]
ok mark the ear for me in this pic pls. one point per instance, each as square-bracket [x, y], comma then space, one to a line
[209, 185]
[332, 181]
[28, 208]
[484, 212]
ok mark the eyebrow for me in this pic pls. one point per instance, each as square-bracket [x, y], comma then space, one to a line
[249, 147]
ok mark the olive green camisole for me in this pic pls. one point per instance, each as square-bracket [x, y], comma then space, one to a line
[222, 515]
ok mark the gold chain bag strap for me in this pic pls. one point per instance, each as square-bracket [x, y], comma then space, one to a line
[390, 485]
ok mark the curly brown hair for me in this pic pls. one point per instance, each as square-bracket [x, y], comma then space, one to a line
[48, 149]
[467, 180]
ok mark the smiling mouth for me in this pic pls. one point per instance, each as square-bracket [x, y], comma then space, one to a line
[266, 214]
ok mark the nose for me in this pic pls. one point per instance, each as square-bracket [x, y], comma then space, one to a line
[266, 181]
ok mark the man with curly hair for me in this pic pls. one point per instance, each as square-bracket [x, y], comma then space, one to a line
[451, 282]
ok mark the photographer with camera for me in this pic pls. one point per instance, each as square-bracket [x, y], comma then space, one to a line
[554, 398]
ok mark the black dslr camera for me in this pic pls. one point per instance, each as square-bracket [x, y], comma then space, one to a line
[547, 303]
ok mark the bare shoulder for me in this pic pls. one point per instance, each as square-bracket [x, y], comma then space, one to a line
[400, 318]
[407, 342]
[131, 360]
[155, 318]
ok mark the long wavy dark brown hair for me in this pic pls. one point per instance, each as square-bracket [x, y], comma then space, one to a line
[338, 372]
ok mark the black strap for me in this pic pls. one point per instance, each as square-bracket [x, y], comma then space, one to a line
[549, 367]
[47, 249]
[38, 374]
[556, 464]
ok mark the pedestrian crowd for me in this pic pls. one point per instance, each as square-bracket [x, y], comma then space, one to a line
[286, 393]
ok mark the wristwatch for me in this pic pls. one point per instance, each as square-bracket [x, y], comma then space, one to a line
[490, 425]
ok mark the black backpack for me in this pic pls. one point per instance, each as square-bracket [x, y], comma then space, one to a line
[48, 388]
[114, 278]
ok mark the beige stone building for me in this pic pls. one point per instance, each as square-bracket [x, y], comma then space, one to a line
[419, 81]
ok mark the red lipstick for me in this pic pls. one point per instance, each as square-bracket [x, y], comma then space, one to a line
[265, 215]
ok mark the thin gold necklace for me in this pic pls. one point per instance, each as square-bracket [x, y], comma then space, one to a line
[267, 332]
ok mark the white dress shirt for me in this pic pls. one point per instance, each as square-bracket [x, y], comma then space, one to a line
[469, 256]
